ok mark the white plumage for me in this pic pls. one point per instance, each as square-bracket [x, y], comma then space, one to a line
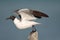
[26, 18]
[23, 24]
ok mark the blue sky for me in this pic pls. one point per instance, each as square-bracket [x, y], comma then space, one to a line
[48, 30]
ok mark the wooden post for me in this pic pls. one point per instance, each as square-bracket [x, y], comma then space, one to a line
[33, 35]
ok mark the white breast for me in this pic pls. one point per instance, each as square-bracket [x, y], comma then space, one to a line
[24, 24]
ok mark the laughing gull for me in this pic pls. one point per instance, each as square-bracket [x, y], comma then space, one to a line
[26, 18]
[29, 14]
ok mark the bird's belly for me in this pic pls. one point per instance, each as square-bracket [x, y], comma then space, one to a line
[25, 24]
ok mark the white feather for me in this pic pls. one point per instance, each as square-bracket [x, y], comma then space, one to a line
[26, 14]
[23, 24]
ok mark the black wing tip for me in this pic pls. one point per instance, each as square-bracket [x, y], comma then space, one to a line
[46, 16]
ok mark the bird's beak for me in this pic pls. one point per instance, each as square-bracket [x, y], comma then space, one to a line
[8, 18]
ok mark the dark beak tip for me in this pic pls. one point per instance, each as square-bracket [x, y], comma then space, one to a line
[7, 18]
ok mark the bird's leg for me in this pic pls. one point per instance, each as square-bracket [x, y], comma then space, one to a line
[33, 28]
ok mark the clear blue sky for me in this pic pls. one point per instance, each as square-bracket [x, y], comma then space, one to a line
[48, 30]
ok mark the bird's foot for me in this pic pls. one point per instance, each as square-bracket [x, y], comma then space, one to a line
[33, 28]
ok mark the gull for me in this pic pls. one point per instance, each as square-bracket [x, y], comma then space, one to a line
[26, 17]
